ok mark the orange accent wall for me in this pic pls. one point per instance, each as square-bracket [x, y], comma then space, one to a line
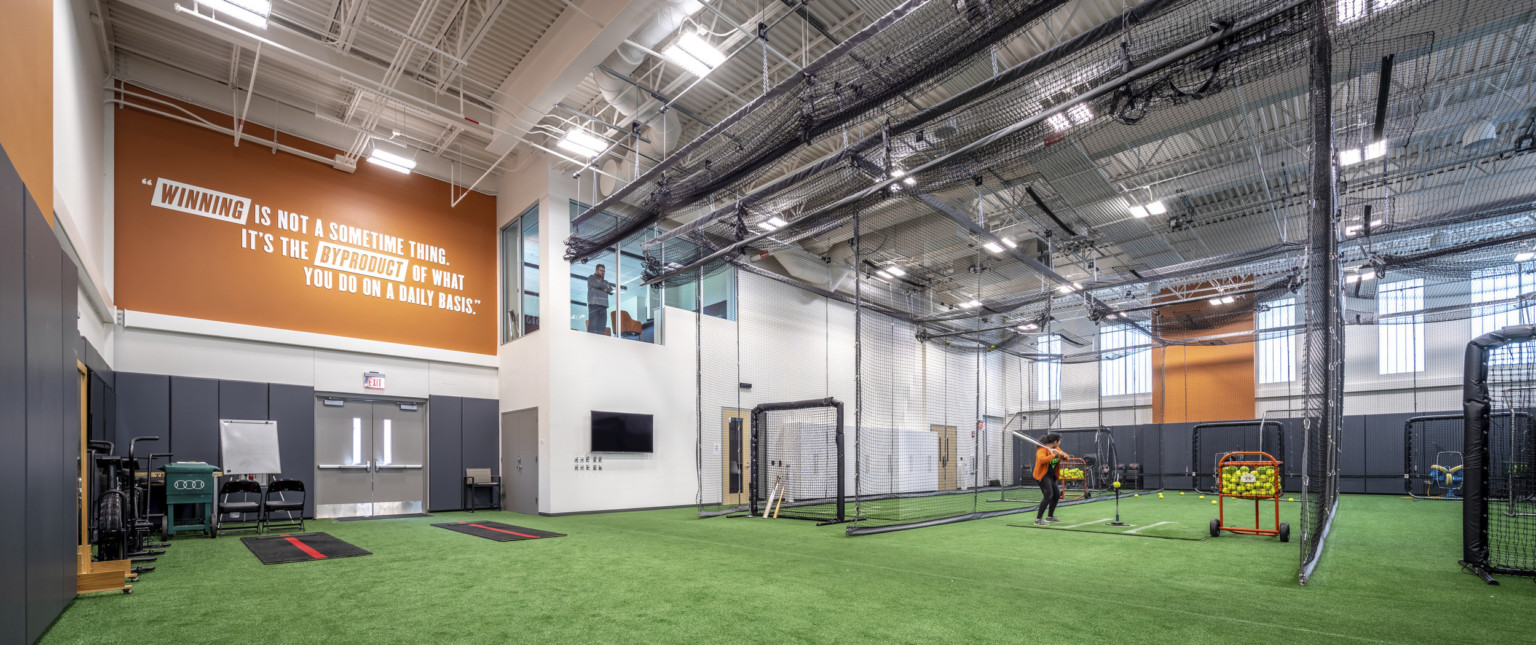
[1203, 382]
[26, 95]
[213, 267]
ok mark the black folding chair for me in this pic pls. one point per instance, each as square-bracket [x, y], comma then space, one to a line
[238, 507]
[284, 496]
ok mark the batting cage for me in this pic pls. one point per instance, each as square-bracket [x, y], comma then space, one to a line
[1171, 220]
[1499, 511]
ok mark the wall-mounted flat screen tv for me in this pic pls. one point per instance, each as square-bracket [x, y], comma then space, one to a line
[621, 432]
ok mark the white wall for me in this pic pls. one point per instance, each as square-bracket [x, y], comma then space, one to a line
[79, 161]
[155, 351]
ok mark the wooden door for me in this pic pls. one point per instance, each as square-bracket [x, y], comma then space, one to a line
[947, 466]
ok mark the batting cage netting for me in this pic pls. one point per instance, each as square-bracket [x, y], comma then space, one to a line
[962, 231]
[1499, 511]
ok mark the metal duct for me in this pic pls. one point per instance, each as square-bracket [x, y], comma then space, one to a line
[628, 99]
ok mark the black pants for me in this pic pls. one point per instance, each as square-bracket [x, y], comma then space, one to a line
[1050, 490]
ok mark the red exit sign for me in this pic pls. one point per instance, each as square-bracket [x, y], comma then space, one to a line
[373, 380]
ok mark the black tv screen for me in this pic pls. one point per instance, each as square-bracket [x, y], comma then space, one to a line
[620, 432]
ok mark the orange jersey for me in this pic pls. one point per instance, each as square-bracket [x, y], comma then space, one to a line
[1043, 465]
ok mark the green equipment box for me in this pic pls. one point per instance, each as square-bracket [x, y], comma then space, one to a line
[189, 483]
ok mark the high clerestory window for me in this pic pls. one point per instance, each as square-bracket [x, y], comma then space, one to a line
[1277, 341]
[1400, 329]
[1126, 363]
[1048, 370]
[520, 276]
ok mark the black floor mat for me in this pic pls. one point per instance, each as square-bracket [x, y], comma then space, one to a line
[303, 547]
[498, 531]
[381, 517]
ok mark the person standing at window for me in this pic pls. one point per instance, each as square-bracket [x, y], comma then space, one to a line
[598, 291]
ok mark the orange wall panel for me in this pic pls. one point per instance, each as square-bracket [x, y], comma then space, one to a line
[1192, 383]
[26, 95]
[211, 231]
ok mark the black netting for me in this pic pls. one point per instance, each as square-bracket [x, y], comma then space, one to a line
[1499, 519]
[1433, 459]
[798, 463]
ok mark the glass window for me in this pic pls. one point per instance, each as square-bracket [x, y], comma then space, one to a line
[1277, 349]
[520, 275]
[1504, 289]
[1125, 365]
[630, 310]
[1400, 337]
[719, 293]
[1048, 370]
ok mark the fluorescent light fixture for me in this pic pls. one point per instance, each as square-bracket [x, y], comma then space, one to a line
[970, 305]
[766, 226]
[1349, 157]
[896, 270]
[993, 247]
[897, 172]
[1157, 208]
[1066, 288]
[252, 12]
[1139, 212]
[777, 222]
[1028, 327]
[391, 161]
[1008, 242]
[581, 142]
[1376, 150]
[882, 273]
[1080, 114]
[909, 181]
[1113, 316]
[694, 54]
[1228, 300]
[1524, 256]
[1215, 301]
[1059, 122]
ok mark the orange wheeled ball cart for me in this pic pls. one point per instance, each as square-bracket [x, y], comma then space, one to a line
[1073, 474]
[1249, 476]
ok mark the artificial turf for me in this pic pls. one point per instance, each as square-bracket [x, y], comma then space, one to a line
[1389, 574]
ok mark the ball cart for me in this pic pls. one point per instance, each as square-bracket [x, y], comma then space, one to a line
[1244, 476]
[1074, 481]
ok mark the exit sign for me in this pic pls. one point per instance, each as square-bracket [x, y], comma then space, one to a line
[373, 380]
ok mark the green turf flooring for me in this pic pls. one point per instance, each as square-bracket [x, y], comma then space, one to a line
[1389, 575]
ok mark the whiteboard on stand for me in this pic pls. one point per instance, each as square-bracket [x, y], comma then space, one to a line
[248, 447]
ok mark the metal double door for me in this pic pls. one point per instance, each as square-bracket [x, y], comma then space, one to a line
[370, 458]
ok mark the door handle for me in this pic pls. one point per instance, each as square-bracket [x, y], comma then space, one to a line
[364, 466]
[519, 464]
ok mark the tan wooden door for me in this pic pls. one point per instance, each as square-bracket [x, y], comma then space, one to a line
[735, 456]
[947, 466]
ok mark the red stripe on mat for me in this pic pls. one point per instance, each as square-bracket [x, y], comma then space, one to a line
[305, 548]
[488, 528]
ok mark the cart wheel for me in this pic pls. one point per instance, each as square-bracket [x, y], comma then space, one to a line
[1087, 495]
[165, 528]
[1215, 528]
[128, 591]
[1285, 532]
[213, 533]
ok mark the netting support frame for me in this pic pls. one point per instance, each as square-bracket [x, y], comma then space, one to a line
[1476, 407]
[1259, 424]
[760, 435]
